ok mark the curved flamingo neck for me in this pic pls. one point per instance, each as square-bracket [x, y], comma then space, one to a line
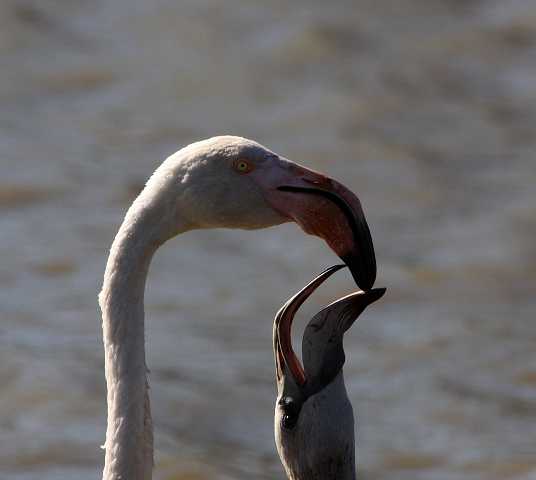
[129, 436]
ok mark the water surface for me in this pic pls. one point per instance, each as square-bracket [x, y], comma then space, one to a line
[426, 109]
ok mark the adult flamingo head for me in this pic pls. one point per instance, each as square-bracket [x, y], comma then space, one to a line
[233, 182]
[227, 182]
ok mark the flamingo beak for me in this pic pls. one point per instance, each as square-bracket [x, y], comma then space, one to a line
[325, 208]
[323, 335]
[283, 325]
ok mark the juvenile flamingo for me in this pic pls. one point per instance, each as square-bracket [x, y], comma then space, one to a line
[314, 419]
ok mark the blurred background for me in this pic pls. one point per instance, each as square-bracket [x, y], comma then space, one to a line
[425, 108]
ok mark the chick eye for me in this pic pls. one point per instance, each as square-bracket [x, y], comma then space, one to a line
[242, 166]
[289, 421]
[291, 412]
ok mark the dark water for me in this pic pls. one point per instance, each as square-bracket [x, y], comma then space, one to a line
[426, 109]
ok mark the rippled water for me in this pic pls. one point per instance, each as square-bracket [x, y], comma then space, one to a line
[426, 109]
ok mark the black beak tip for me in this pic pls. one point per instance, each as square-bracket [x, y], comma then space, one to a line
[364, 275]
[377, 293]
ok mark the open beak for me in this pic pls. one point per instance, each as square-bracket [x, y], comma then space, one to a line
[283, 325]
[322, 345]
[325, 208]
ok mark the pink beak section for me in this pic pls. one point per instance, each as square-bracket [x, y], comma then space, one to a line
[327, 209]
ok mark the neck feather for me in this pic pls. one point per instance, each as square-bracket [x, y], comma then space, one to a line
[322, 447]
[129, 437]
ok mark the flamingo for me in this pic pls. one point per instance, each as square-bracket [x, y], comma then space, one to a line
[314, 419]
[223, 181]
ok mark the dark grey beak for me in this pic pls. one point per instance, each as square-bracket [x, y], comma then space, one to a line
[322, 347]
[323, 354]
[283, 351]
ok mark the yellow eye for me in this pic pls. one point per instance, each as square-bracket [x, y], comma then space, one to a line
[242, 166]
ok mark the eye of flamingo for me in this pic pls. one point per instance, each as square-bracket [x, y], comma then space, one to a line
[242, 166]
